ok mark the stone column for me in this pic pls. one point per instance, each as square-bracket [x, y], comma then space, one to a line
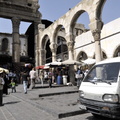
[53, 47]
[96, 27]
[70, 45]
[42, 56]
[71, 57]
[98, 51]
[16, 40]
[37, 57]
[36, 45]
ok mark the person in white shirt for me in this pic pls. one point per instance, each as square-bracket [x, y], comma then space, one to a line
[33, 76]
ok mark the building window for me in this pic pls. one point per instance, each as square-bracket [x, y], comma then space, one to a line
[4, 46]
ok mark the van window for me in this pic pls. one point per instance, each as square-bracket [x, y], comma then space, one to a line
[103, 72]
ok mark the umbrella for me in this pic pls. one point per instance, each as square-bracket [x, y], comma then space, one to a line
[71, 62]
[55, 63]
[6, 70]
[89, 61]
[46, 67]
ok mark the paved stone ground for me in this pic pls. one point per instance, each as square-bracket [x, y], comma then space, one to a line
[42, 102]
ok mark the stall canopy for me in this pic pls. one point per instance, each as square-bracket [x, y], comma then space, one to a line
[55, 63]
[89, 61]
[42, 67]
[71, 62]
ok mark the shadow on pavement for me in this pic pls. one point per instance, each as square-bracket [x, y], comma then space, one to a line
[12, 102]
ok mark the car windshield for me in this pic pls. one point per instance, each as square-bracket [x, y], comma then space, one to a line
[103, 73]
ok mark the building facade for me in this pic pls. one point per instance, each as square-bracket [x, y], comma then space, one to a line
[110, 44]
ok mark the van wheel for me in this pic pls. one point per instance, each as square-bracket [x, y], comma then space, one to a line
[95, 115]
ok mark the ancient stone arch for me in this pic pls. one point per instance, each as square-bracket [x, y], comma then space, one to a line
[82, 56]
[94, 9]
[17, 11]
[43, 49]
[117, 51]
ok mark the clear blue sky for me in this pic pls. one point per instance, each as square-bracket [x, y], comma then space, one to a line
[54, 9]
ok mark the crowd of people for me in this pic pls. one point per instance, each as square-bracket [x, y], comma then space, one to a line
[52, 75]
[11, 80]
[28, 78]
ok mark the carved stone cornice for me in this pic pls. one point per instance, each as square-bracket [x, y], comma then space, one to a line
[70, 45]
[96, 34]
[20, 4]
[27, 11]
[53, 47]
[16, 22]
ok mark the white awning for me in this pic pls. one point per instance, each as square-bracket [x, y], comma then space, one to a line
[89, 61]
[53, 63]
[71, 62]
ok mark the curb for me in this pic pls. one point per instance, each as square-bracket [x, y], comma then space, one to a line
[68, 114]
[57, 93]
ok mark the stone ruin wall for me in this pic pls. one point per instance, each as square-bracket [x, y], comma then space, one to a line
[21, 5]
[28, 3]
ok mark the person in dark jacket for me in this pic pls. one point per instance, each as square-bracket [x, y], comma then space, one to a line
[1, 87]
[79, 76]
[5, 86]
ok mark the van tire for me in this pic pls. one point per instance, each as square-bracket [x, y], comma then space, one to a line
[95, 115]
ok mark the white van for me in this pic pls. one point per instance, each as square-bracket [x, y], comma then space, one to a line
[100, 89]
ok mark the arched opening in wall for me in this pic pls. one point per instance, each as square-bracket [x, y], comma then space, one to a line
[24, 26]
[82, 56]
[5, 30]
[27, 46]
[104, 55]
[31, 40]
[84, 22]
[80, 23]
[48, 52]
[110, 11]
[117, 52]
[5, 25]
[62, 49]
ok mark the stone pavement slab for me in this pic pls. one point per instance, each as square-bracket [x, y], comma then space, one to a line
[56, 102]
[21, 110]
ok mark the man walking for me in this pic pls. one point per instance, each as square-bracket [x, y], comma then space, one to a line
[32, 77]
